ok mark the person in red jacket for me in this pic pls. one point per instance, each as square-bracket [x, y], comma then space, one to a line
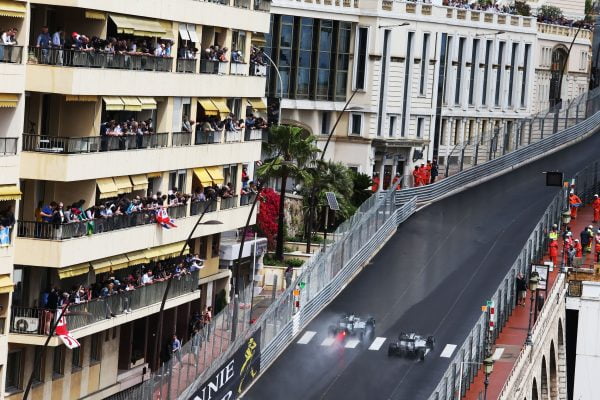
[578, 248]
[574, 202]
[396, 182]
[553, 251]
[375, 186]
[596, 207]
[416, 176]
[597, 245]
[428, 172]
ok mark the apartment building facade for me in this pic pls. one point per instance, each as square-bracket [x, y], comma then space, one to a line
[424, 80]
[55, 102]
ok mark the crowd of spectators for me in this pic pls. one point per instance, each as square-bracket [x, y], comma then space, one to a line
[7, 218]
[210, 124]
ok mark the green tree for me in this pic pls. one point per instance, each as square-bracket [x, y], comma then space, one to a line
[361, 188]
[291, 149]
[522, 8]
[550, 12]
[328, 176]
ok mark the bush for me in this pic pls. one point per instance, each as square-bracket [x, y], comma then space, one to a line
[294, 262]
[267, 216]
[522, 8]
[270, 259]
[550, 12]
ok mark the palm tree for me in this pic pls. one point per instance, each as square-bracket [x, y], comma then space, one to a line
[291, 150]
[328, 176]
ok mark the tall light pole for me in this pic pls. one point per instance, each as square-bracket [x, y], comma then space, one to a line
[488, 368]
[280, 86]
[534, 279]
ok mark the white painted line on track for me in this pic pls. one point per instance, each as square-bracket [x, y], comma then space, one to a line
[308, 335]
[377, 343]
[352, 343]
[328, 341]
[448, 350]
[497, 353]
[426, 351]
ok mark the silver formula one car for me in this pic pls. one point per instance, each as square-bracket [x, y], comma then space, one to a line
[411, 345]
[351, 325]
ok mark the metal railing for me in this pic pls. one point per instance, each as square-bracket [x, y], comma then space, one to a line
[500, 141]
[99, 59]
[478, 342]
[241, 3]
[574, 288]
[253, 134]
[36, 321]
[11, 54]
[8, 146]
[186, 65]
[229, 202]
[209, 67]
[92, 144]
[233, 136]
[262, 5]
[207, 137]
[576, 129]
[257, 70]
[246, 199]
[181, 139]
[76, 229]
[197, 207]
[238, 68]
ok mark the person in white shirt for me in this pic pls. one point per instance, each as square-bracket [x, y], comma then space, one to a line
[147, 278]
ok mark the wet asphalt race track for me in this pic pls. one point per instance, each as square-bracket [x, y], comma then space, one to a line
[431, 277]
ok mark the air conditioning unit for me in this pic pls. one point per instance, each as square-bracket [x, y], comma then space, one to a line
[26, 324]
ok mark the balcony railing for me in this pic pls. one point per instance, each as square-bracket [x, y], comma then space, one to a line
[246, 199]
[238, 68]
[76, 229]
[11, 54]
[197, 207]
[99, 59]
[258, 70]
[209, 67]
[241, 3]
[253, 134]
[92, 144]
[8, 146]
[181, 139]
[207, 137]
[233, 136]
[229, 202]
[262, 5]
[186, 65]
[36, 321]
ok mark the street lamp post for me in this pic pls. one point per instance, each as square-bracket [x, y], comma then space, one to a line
[534, 279]
[488, 368]
[280, 86]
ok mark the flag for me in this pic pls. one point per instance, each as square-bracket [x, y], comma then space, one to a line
[163, 219]
[5, 236]
[63, 332]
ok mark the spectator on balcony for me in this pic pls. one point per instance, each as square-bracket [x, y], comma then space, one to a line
[160, 50]
[8, 39]
[250, 121]
[187, 125]
[260, 123]
[43, 41]
[58, 43]
[245, 177]
[147, 278]
[7, 218]
[186, 53]
[236, 57]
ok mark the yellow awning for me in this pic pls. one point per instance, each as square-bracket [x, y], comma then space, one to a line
[170, 250]
[93, 14]
[71, 98]
[257, 104]
[14, 9]
[168, 27]
[137, 257]
[113, 103]
[138, 26]
[209, 107]
[123, 184]
[258, 38]
[140, 182]
[9, 192]
[148, 103]
[8, 100]
[132, 103]
[101, 266]
[154, 174]
[216, 173]
[152, 254]
[203, 176]
[74, 270]
[6, 284]
[221, 105]
[119, 262]
[108, 187]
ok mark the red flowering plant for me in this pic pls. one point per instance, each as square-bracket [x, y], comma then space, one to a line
[267, 215]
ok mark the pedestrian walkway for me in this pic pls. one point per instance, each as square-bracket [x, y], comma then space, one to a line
[512, 338]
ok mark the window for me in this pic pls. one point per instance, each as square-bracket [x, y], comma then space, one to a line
[356, 124]
[324, 63]
[203, 247]
[420, 122]
[457, 91]
[470, 132]
[14, 371]
[525, 77]
[407, 84]
[424, 61]
[284, 60]
[474, 67]
[77, 362]
[58, 362]
[343, 60]
[392, 125]
[238, 42]
[513, 58]
[443, 131]
[353, 168]
[448, 54]
[483, 130]
[96, 348]
[499, 74]
[177, 180]
[455, 137]
[216, 243]
[361, 58]
[305, 59]
[38, 366]
[325, 117]
[230, 175]
[382, 88]
[486, 66]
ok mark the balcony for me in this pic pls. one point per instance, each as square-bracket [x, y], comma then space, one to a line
[11, 54]
[262, 5]
[186, 65]
[59, 246]
[255, 134]
[77, 159]
[8, 146]
[233, 136]
[238, 69]
[229, 202]
[241, 3]
[123, 306]
[92, 144]
[258, 70]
